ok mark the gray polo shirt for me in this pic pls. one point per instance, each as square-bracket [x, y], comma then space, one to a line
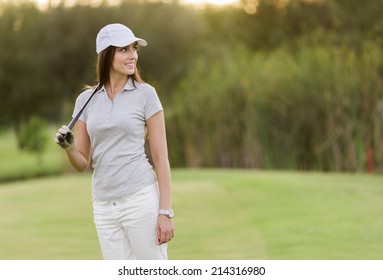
[116, 130]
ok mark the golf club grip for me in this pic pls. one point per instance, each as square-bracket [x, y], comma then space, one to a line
[75, 119]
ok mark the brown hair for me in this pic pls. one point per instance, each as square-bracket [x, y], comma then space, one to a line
[104, 63]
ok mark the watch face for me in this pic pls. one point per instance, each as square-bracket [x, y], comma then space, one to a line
[170, 213]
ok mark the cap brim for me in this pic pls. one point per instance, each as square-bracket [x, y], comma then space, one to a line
[127, 41]
[121, 42]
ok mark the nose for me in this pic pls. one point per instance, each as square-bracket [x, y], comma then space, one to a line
[132, 53]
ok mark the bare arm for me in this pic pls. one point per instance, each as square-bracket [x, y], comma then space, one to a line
[159, 152]
[79, 155]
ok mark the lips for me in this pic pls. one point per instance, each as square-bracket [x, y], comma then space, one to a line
[130, 64]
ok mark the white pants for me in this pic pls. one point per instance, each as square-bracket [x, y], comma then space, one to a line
[127, 227]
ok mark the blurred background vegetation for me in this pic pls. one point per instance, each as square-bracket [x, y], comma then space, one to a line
[268, 84]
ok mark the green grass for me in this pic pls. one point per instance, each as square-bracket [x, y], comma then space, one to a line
[220, 214]
[16, 164]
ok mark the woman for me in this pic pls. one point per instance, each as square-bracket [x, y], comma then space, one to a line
[132, 204]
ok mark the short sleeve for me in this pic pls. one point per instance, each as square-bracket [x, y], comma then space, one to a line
[80, 101]
[153, 104]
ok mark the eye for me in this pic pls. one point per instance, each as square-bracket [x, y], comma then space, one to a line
[125, 49]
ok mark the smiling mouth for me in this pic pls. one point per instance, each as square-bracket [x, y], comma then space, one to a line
[130, 64]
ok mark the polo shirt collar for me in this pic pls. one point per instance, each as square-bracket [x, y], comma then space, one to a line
[128, 86]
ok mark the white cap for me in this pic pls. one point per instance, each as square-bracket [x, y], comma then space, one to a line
[117, 35]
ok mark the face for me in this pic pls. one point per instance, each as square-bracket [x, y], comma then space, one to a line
[125, 59]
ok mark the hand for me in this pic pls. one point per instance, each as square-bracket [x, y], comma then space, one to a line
[165, 229]
[64, 138]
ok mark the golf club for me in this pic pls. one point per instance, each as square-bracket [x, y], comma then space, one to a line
[61, 138]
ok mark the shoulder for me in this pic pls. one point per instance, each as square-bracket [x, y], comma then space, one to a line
[83, 96]
[86, 93]
[139, 87]
[147, 92]
[146, 88]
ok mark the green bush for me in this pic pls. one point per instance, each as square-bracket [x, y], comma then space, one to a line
[308, 107]
[33, 137]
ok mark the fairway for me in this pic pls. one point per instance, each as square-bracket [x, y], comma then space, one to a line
[220, 214]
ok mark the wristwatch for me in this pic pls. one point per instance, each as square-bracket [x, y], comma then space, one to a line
[169, 213]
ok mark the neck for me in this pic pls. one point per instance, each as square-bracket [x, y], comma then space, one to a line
[115, 85]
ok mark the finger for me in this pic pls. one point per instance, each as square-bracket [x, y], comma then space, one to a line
[62, 131]
[64, 127]
[163, 238]
[172, 232]
[170, 237]
[158, 235]
[166, 236]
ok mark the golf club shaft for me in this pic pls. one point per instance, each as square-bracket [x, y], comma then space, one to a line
[75, 119]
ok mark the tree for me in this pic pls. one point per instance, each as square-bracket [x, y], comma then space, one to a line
[33, 138]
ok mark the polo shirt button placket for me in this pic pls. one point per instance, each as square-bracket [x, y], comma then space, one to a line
[109, 112]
